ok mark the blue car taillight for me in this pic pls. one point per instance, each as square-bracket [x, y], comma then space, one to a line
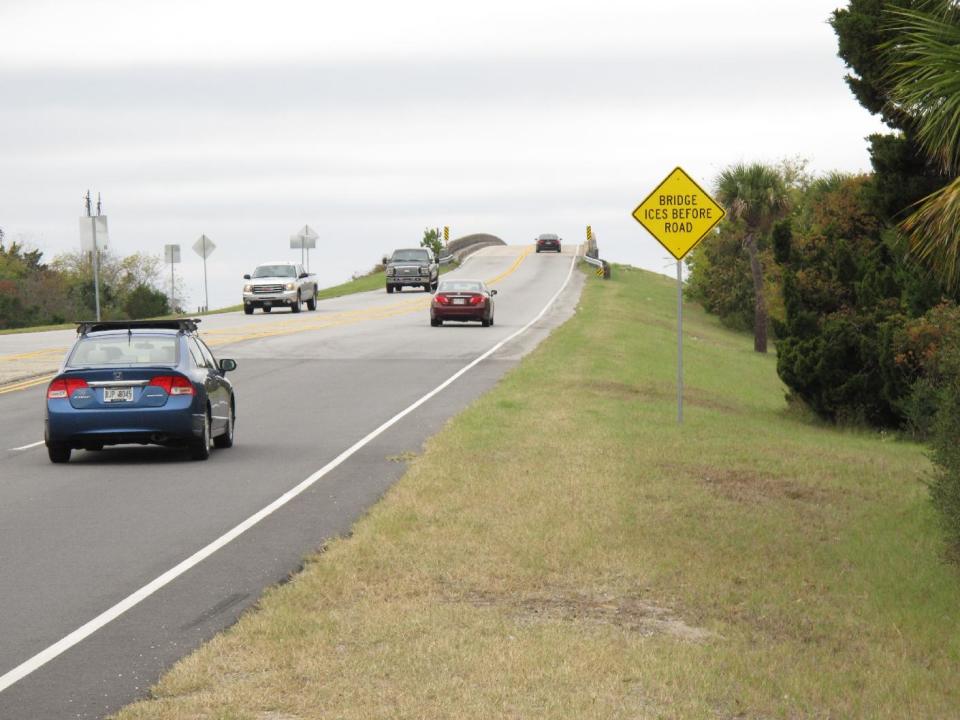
[64, 387]
[173, 384]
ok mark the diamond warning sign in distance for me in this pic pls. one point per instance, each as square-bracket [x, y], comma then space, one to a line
[678, 213]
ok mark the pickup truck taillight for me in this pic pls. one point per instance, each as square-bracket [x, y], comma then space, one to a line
[64, 387]
[173, 384]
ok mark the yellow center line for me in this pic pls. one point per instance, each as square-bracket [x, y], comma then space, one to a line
[228, 336]
[24, 384]
[33, 353]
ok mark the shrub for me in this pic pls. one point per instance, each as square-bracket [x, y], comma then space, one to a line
[849, 294]
[927, 349]
[145, 301]
[945, 488]
[719, 277]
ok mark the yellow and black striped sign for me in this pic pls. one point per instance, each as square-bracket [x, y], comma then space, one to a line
[600, 272]
[446, 234]
[589, 233]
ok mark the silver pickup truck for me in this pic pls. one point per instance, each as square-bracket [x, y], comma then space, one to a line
[279, 284]
[412, 266]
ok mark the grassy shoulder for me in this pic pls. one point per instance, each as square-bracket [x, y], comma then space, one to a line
[563, 549]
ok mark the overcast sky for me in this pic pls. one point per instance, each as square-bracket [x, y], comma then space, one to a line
[373, 120]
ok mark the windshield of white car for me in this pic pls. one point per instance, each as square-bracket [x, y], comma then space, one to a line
[410, 256]
[274, 271]
[124, 350]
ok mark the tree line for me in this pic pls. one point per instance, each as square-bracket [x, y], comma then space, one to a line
[857, 277]
[35, 293]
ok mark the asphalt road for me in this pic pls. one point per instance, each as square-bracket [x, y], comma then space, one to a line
[77, 539]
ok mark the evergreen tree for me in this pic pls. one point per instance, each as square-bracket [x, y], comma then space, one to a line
[901, 175]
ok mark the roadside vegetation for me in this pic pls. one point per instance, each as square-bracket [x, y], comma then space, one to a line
[13, 320]
[563, 549]
[862, 272]
[37, 294]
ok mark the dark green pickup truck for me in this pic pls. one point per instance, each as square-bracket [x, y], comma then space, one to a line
[412, 266]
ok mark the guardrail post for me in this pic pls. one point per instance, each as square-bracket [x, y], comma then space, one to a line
[606, 270]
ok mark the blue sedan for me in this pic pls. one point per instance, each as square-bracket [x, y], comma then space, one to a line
[147, 382]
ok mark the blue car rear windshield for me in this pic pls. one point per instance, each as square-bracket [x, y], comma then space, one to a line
[124, 350]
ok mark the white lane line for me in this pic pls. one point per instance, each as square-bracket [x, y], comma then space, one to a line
[84, 631]
[26, 447]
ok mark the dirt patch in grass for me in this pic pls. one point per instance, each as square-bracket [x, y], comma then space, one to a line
[748, 486]
[704, 399]
[659, 393]
[631, 613]
[623, 390]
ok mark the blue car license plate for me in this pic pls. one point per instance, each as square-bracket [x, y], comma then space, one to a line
[117, 394]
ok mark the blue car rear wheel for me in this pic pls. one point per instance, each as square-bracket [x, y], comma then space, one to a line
[200, 447]
[226, 440]
[58, 453]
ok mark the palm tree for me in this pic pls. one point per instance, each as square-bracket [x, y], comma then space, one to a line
[925, 77]
[757, 195]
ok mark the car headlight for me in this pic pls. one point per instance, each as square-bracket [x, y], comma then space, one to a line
[390, 270]
[424, 270]
[289, 286]
[248, 288]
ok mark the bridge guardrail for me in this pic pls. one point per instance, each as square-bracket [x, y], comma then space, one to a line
[603, 267]
[461, 247]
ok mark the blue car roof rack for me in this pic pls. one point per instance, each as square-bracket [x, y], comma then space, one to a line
[184, 325]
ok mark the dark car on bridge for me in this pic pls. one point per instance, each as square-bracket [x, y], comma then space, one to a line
[142, 381]
[548, 241]
[462, 301]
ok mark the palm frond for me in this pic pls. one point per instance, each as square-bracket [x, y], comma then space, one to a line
[925, 77]
[933, 232]
[754, 193]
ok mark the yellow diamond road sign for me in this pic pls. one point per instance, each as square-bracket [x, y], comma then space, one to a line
[678, 213]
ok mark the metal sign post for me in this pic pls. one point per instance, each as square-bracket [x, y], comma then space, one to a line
[93, 236]
[305, 240]
[204, 247]
[679, 214]
[679, 342]
[171, 254]
[95, 257]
